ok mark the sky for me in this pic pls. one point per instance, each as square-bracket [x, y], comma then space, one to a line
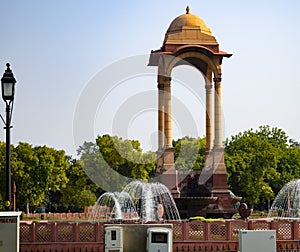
[58, 50]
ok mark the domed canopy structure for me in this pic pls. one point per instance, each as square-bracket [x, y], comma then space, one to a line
[188, 20]
[187, 30]
[188, 41]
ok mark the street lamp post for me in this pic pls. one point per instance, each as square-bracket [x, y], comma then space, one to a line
[8, 91]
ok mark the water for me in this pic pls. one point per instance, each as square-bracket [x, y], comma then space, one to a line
[139, 201]
[287, 202]
[107, 207]
[126, 206]
[153, 200]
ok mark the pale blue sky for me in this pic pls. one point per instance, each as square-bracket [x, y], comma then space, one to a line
[56, 47]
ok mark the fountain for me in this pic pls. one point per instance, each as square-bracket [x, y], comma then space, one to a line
[138, 201]
[287, 202]
[154, 201]
[107, 207]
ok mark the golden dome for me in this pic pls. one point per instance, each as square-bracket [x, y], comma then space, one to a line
[188, 20]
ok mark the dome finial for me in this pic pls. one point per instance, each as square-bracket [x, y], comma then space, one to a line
[187, 10]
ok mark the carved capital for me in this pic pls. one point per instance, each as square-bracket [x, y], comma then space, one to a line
[163, 81]
[167, 79]
[208, 86]
[217, 79]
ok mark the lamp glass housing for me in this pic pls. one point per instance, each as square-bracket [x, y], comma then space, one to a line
[8, 90]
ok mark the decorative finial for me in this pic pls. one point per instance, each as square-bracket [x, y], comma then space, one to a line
[188, 10]
[7, 65]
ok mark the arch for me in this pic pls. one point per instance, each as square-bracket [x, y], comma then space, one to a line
[209, 65]
[194, 52]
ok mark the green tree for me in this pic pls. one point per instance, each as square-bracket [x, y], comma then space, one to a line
[126, 157]
[189, 153]
[98, 170]
[259, 163]
[288, 167]
[80, 191]
[35, 170]
[111, 162]
[27, 177]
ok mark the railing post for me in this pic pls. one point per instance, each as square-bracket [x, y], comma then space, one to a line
[206, 231]
[295, 231]
[228, 230]
[75, 232]
[97, 232]
[273, 225]
[250, 225]
[53, 232]
[185, 230]
[32, 233]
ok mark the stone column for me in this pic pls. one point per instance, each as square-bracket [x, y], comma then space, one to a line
[161, 124]
[219, 178]
[209, 116]
[218, 113]
[168, 112]
[168, 173]
[161, 114]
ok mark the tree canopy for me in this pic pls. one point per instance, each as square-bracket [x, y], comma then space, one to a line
[189, 153]
[34, 170]
[260, 162]
[117, 159]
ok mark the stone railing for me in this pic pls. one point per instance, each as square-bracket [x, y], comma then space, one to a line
[58, 216]
[187, 236]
